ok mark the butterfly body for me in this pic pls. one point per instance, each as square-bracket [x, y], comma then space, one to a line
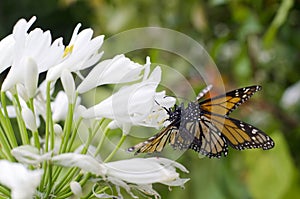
[205, 127]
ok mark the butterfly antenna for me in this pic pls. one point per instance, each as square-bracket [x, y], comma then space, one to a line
[168, 110]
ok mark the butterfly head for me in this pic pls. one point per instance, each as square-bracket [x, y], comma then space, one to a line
[174, 113]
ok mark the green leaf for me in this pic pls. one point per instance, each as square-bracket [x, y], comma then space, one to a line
[270, 173]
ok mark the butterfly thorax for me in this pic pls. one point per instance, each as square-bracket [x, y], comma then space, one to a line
[175, 115]
[182, 118]
[191, 113]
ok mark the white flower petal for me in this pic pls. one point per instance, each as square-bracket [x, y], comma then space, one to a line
[68, 85]
[144, 171]
[34, 45]
[84, 162]
[82, 53]
[76, 188]
[30, 155]
[168, 162]
[6, 49]
[112, 71]
[137, 102]
[147, 189]
[60, 107]
[21, 181]
[31, 77]
[58, 130]
[29, 119]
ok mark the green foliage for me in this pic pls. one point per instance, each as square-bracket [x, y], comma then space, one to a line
[251, 42]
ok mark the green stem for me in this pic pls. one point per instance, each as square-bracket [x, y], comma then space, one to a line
[35, 134]
[67, 129]
[48, 116]
[36, 139]
[66, 179]
[20, 120]
[5, 121]
[116, 149]
[5, 146]
[49, 179]
[90, 195]
[73, 136]
[49, 135]
[104, 134]
[5, 191]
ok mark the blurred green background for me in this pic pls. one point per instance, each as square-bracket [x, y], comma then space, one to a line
[251, 42]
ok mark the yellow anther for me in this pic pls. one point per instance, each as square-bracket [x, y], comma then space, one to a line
[68, 50]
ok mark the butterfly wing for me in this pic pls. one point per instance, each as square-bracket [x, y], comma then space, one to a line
[157, 142]
[238, 134]
[225, 104]
[208, 140]
[206, 128]
[198, 133]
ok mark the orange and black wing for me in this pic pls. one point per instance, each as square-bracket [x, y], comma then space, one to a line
[225, 104]
[157, 142]
[207, 139]
[238, 134]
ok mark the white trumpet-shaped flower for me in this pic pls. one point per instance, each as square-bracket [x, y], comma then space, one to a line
[68, 85]
[111, 71]
[147, 171]
[30, 155]
[21, 181]
[142, 172]
[133, 104]
[6, 49]
[29, 118]
[36, 46]
[82, 52]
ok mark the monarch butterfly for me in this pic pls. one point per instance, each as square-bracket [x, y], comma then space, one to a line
[204, 126]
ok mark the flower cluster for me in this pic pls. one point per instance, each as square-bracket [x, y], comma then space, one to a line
[41, 153]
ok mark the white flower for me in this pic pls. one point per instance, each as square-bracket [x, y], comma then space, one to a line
[84, 162]
[131, 105]
[35, 46]
[29, 119]
[31, 77]
[76, 189]
[68, 85]
[82, 52]
[138, 173]
[6, 49]
[146, 171]
[112, 71]
[60, 106]
[158, 114]
[21, 181]
[136, 170]
[30, 155]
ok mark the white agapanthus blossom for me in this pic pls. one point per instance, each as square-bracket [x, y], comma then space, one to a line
[138, 171]
[36, 46]
[21, 181]
[81, 53]
[119, 69]
[138, 103]
[43, 153]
